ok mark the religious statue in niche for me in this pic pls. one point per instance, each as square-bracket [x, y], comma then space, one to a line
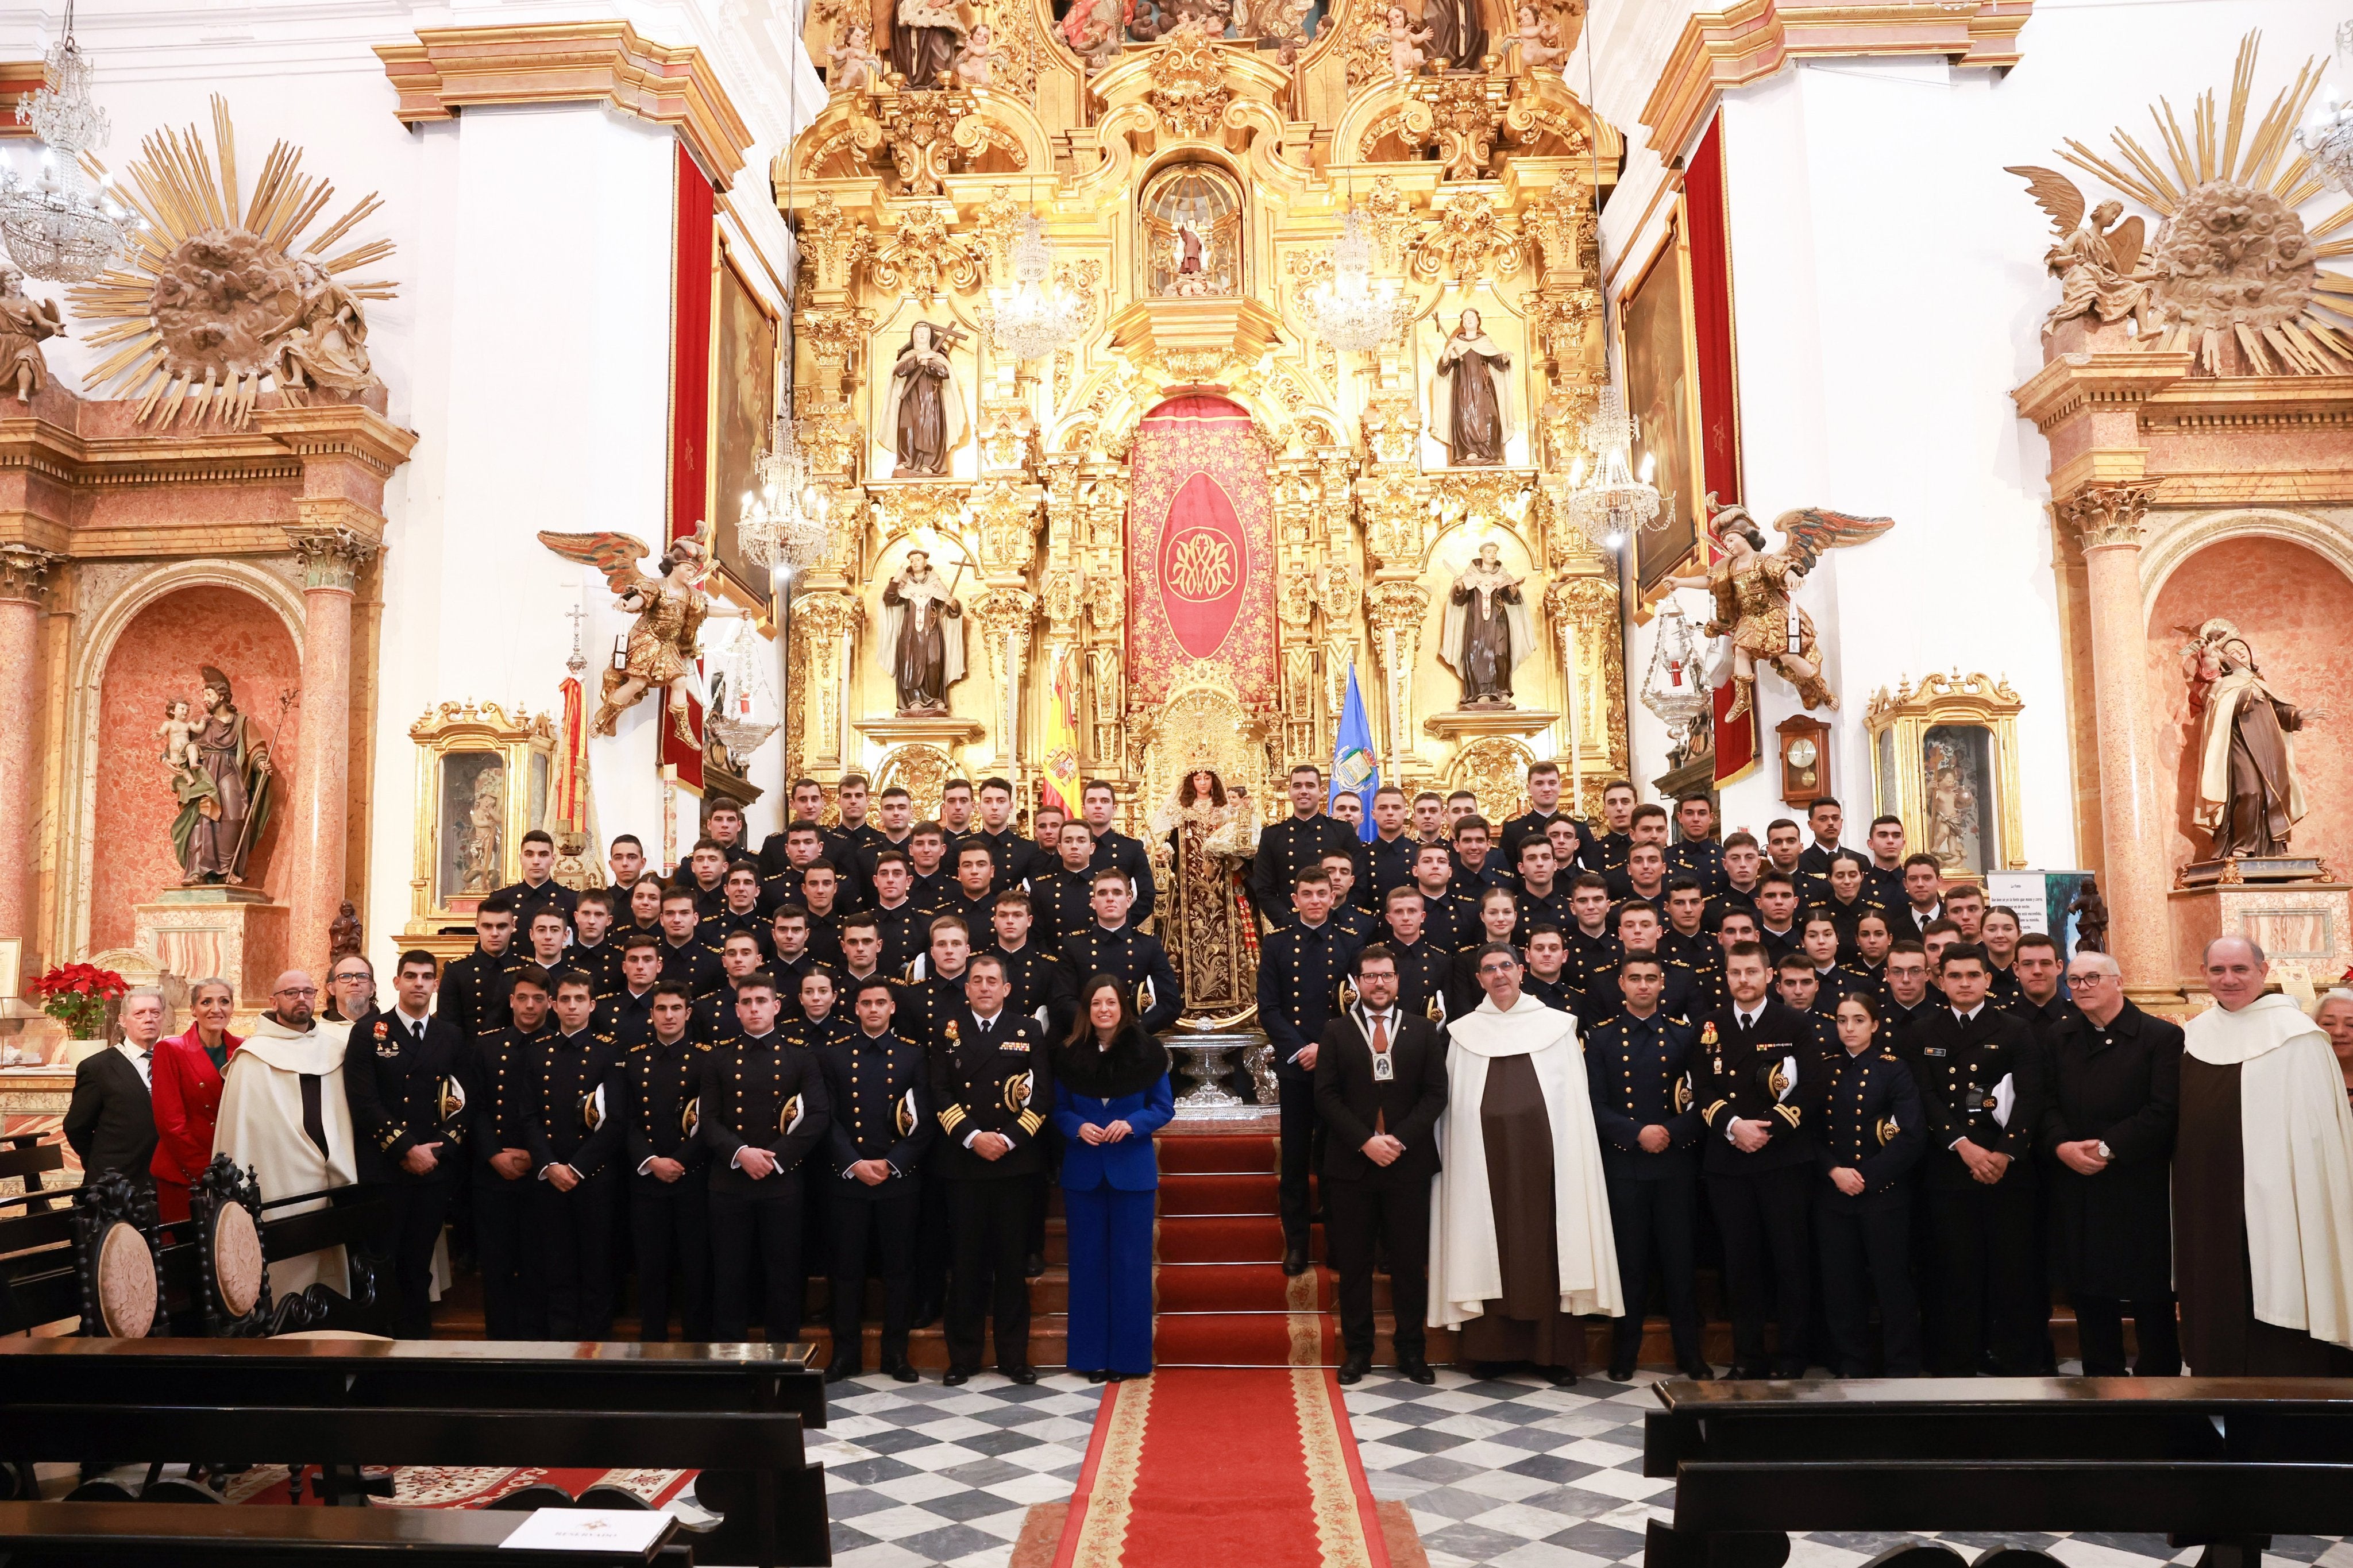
[1205, 838]
[923, 416]
[855, 63]
[1458, 34]
[1753, 588]
[1474, 376]
[922, 636]
[670, 607]
[925, 39]
[220, 775]
[1191, 243]
[480, 835]
[2090, 908]
[23, 322]
[2250, 794]
[2097, 266]
[1952, 779]
[1486, 631]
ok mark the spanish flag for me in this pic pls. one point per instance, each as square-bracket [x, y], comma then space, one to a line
[1061, 769]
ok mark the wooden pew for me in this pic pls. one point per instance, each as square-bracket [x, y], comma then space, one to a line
[2223, 1463]
[748, 1454]
[191, 1535]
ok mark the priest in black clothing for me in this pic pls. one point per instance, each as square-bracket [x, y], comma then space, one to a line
[1300, 968]
[1295, 844]
[1379, 1083]
[569, 1077]
[878, 1085]
[660, 1086]
[765, 1111]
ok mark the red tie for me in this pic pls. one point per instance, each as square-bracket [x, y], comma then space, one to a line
[1380, 1033]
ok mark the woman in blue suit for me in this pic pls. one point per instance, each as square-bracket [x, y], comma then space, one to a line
[1111, 1094]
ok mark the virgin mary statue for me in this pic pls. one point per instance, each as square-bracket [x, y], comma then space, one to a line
[1205, 840]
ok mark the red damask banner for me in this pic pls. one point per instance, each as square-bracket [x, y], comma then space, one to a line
[694, 219]
[1737, 740]
[1201, 551]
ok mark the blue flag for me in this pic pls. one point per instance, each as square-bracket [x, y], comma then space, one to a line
[1355, 771]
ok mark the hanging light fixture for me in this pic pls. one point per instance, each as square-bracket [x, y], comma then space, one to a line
[1675, 688]
[55, 226]
[784, 524]
[736, 716]
[1032, 317]
[1354, 311]
[2326, 137]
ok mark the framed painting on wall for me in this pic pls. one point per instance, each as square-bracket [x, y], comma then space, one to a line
[1659, 349]
[742, 410]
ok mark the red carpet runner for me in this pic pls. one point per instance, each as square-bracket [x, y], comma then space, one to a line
[1223, 1299]
[1192, 1467]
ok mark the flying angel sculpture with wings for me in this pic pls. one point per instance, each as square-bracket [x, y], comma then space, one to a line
[1752, 586]
[2097, 266]
[670, 608]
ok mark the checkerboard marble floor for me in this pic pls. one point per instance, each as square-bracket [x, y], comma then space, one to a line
[1514, 1473]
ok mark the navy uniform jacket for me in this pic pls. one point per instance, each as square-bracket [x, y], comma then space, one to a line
[998, 1080]
[693, 964]
[529, 900]
[1848, 917]
[870, 850]
[1765, 1072]
[1643, 1072]
[978, 914]
[1037, 979]
[1059, 904]
[1698, 952]
[660, 1109]
[1356, 922]
[1450, 922]
[1289, 848]
[1814, 861]
[1422, 972]
[568, 1101]
[1885, 886]
[1014, 857]
[927, 890]
[1831, 984]
[1609, 852]
[906, 934]
[500, 1093]
[2002, 991]
[925, 1007]
[1554, 992]
[1139, 961]
[1531, 824]
[628, 1018]
[1604, 999]
[601, 964]
[880, 1089]
[817, 1034]
[1780, 944]
[403, 1093]
[1871, 1120]
[1622, 890]
[474, 990]
[1390, 861]
[1702, 858]
[1960, 1069]
[763, 1092]
[1720, 904]
[1115, 851]
[1550, 910]
[1300, 969]
[1587, 956]
[713, 1017]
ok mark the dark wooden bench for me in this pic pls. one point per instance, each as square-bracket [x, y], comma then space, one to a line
[190, 1535]
[28, 1156]
[745, 1457]
[2223, 1463]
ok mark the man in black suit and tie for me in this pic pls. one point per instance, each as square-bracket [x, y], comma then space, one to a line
[110, 1122]
[1380, 1084]
[403, 1079]
[1922, 903]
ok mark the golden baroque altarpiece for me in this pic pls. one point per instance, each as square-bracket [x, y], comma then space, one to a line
[1191, 188]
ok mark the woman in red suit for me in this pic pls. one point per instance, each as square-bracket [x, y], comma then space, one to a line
[186, 1073]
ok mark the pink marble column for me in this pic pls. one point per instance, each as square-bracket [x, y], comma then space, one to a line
[314, 835]
[2135, 877]
[21, 570]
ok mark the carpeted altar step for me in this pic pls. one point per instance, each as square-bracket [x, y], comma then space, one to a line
[1186, 1152]
[1244, 1339]
[1237, 1288]
[1218, 1193]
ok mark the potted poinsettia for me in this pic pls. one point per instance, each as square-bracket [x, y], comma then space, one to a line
[76, 994]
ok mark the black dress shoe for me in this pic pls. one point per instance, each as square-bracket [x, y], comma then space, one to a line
[901, 1373]
[1023, 1375]
[1353, 1370]
[1560, 1376]
[1034, 1267]
[1698, 1372]
[1740, 1373]
[957, 1377]
[1114, 1377]
[842, 1368]
[1294, 1259]
[1097, 1376]
[1621, 1371]
[1416, 1370]
[1789, 1371]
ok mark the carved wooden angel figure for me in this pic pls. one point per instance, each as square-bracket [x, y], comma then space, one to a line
[23, 322]
[1752, 587]
[2097, 266]
[977, 65]
[670, 608]
[855, 63]
[1405, 45]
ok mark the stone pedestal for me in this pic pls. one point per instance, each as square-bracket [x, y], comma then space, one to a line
[236, 933]
[2302, 927]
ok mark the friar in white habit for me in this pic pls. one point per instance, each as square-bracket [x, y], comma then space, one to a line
[2263, 1184]
[282, 1112]
[1519, 1224]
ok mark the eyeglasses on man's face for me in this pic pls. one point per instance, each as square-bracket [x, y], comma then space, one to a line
[297, 991]
[2095, 978]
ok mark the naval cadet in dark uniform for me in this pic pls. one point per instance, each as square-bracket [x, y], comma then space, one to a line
[992, 1087]
[879, 1087]
[1038, 984]
[764, 1111]
[627, 1014]
[1981, 1077]
[1871, 1134]
[515, 1301]
[1546, 977]
[1449, 918]
[1636, 926]
[973, 894]
[669, 1168]
[685, 957]
[1641, 1067]
[1696, 853]
[1059, 894]
[1112, 850]
[539, 890]
[1544, 799]
[1298, 843]
[1422, 965]
[1300, 969]
[1012, 858]
[472, 996]
[569, 1075]
[405, 1080]
[1109, 945]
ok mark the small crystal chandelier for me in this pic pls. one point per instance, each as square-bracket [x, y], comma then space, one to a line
[1355, 311]
[2326, 138]
[57, 226]
[1612, 505]
[1032, 317]
[739, 695]
[1673, 688]
[783, 522]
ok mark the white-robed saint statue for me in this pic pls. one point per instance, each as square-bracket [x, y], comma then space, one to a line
[282, 1112]
[1520, 1242]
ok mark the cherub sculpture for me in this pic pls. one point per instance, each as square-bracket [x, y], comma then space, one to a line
[1092, 30]
[2097, 266]
[855, 63]
[670, 608]
[1405, 45]
[977, 66]
[1752, 587]
[178, 733]
[1540, 39]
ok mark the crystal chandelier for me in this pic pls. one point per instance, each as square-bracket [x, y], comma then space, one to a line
[739, 694]
[57, 226]
[1032, 317]
[1673, 690]
[1355, 311]
[783, 522]
[2326, 138]
[1612, 505]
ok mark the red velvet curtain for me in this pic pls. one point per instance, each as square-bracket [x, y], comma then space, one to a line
[1738, 740]
[694, 218]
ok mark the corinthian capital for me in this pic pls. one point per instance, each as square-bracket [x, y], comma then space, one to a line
[332, 555]
[2104, 514]
[21, 569]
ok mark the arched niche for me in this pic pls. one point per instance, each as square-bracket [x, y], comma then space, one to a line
[1191, 209]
